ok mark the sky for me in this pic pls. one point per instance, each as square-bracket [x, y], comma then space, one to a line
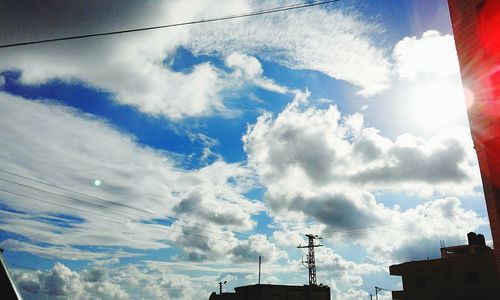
[153, 165]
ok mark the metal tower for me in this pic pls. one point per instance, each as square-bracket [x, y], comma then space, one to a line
[310, 261]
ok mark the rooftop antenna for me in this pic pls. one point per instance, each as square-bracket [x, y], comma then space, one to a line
[220, 286]
[379, 289]
[310, 261]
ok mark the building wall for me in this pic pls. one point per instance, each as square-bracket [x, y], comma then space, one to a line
[470, 276]
[476, 28]
[282, 292]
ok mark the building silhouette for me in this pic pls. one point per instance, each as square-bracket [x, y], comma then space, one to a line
[276, 292]
[462, 272]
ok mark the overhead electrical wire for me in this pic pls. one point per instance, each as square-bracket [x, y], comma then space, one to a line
[58, 204]
[76, 192]
[60, 195]
[229, 17]
[217, 19]
[115, 203]
[219, 236]
[352, 231]
[122, 213]
[157, 226]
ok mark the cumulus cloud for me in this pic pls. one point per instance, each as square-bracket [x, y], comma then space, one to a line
[432, 53]
[62, 283]
[255, 246]
[249, 70]
[244, 65]
[125, 282]
[441, 219]
[223, 246]
[59, 145]
[308, 148]
[345, 272]
[337, 210]
[320, 166]
[195, 205]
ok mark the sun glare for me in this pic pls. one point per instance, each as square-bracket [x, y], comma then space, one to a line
[437, 104]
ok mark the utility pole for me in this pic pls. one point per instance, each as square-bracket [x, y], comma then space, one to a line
[310, 261]
[260, 262]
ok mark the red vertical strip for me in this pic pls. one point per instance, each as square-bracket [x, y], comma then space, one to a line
[476, 28]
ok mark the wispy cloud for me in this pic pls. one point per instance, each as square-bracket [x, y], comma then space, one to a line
[138, 191]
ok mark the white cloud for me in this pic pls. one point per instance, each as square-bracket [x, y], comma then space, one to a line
[58, 145]
[125, 282]
[61, 282]
[248, 69]
[304, 148]
[157, 280]
[60, 252]
[441, 219]
[257, 245]
[319, 166]
[131, 67]
[224, 246]
[245, 65]
[433, 53]
[336, 43]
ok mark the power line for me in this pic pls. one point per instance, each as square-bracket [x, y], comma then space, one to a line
[121, 213]
[63, 196]
[352, 231]
[218, 236]
[59, 204]
[76, 192]
[100, 199]
[229, 17]
[157, 226]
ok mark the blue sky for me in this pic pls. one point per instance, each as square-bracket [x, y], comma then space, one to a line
[160, 163]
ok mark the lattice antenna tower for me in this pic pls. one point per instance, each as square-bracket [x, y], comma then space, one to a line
[310, 261]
